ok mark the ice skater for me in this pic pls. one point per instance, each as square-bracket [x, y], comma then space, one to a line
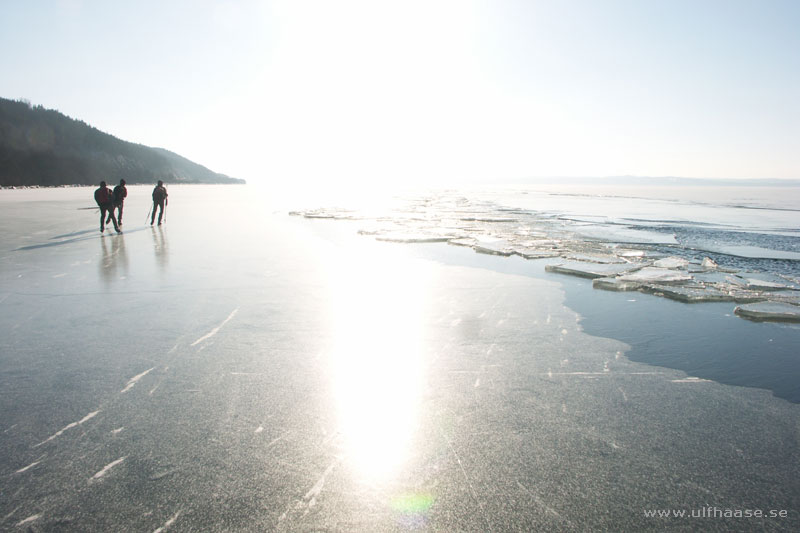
[104, 198]
[159, 200]
[118, 198]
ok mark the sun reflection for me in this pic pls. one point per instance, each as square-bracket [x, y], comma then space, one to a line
[378, 306]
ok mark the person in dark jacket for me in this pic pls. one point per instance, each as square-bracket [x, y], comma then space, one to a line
[104, 198]
[118, 198]
[159, 200]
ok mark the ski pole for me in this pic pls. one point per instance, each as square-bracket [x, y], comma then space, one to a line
[148, 214]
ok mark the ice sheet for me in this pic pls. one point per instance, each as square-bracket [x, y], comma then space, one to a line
[293, 375]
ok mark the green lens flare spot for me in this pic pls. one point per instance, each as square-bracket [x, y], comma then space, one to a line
[413, 503]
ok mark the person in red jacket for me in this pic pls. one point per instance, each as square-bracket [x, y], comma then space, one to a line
[104, 198]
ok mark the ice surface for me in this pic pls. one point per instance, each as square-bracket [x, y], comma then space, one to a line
[709, 263]
[391, 393]
[491, 245]
[764, 285]
[754, 252]
[589, 239]
[672, 262]
[688, 294]
[615, 284]
[590, 270]
[602, 259]
[625, 235]
[770, 311]
[410, 237]
[657, 275]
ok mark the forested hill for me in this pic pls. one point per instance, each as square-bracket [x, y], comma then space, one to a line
[43, 147]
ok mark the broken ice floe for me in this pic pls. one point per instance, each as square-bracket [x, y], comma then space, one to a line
[657, 275]
[672, 262]
[590, 270]
[410, 237]
[769, 311]
[617, 257]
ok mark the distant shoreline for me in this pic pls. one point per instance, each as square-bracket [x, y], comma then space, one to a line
[665, 181]
[77, 185]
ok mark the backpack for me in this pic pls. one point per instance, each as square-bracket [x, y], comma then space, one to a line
[102, 196]
[119, 194]
[159, 194]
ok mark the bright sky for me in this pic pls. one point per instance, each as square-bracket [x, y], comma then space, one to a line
[351, 91]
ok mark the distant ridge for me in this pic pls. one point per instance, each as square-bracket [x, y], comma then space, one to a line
[44, 147]
[663, 181]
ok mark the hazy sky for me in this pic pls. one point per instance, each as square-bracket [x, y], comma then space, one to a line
[346, 91]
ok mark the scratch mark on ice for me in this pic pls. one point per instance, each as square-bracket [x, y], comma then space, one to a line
[134, 379]
[277, 439]
[116, 431]
[69, 426]
[23, 469]
[691, 380]
[311, 495]
[9, 515]
[310, 498]
[108, 467]
[624, 396]
[539, 501]
[28, 520]
[168, 523]
[216, 329]
[472, 490]
[259, 429]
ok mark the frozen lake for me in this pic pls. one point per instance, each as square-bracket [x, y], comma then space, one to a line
[237, 369]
